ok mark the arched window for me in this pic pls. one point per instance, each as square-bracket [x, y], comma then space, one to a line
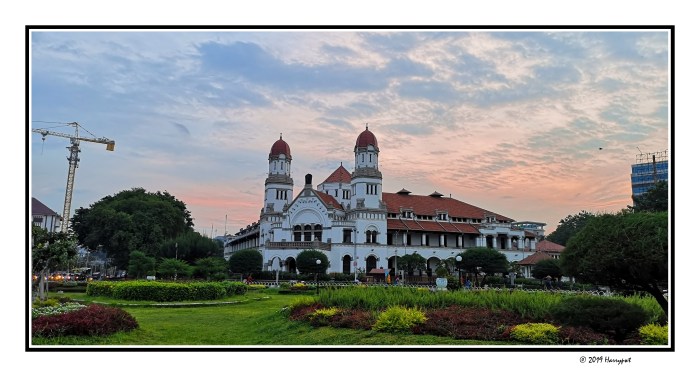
[307, 232]
[368, 237]
[297, 233]
[318, 232]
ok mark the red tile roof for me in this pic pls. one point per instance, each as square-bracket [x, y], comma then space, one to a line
[429, 226]
[329, 200]
[428, 205]
[534, 258]
[39, 208]
[340, 175]
[549, 246]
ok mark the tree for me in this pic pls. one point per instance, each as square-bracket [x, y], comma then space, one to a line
[482, 259]
[411, 262]
[190, 246]
[306, 262]
[141, 264]
[172, 268]
[212, 268]
[246, 261]
[568, 227]
[654, 200]
[131, 220]
[547, 267]
[627, 251]
[50, 251]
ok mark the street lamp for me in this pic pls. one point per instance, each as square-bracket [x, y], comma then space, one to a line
[318, 265]
[458, 258]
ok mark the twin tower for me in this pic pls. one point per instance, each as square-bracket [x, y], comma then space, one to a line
[357, 191]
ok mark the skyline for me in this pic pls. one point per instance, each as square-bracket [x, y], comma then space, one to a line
[532, 125]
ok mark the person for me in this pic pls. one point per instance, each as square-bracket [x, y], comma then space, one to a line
[468, 284]
[548, 282]
[396, 280]
[249, 279]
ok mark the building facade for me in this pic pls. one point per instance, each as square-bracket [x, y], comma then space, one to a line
[45, 217]
[360, 227]
[649, 169]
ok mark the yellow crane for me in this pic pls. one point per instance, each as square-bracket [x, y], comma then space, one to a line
[73, 159]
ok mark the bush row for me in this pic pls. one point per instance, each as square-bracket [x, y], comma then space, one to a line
[166, 291]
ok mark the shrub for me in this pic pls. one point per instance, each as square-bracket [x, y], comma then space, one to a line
[57, 309]
[398, 319]
[354, 319]
[581, 335]
[604, 315]
[453, 283]
[469, 323]
[93, 320]
[654, 334]
[535, 333]
[49, 302]
[323, 316]
[166, 291]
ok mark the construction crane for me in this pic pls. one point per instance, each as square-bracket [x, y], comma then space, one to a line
[73, 159]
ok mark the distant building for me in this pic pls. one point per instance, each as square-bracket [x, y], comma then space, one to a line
[360, 227]
[45, 217]
[649, 169]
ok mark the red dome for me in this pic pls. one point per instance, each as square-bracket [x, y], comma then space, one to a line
[366, 138]
[280, 147]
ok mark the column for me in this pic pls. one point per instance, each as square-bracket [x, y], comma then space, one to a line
[521, 243]
[460, 241]
[422, 239]
[442, 240]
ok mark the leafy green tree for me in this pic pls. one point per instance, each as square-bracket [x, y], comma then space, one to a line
[412, 262]
[246, 261]
[174, 268]
[131, 220]
[212, 268]
[482, 259]
[547, 267]
[191, 246]
[514, 267]
[654, 200]
[568, 227]
[141, 264]
[49, 251]
[306, 262]
[627, 251]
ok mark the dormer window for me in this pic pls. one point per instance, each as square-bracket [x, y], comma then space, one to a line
[407, 214]
[442, 216]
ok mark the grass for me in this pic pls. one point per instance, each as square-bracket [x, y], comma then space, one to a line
[255, 322]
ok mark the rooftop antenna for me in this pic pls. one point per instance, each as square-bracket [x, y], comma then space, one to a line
[640, 151]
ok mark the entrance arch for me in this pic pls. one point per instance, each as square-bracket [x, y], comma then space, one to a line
[370, 263]
[291, 265]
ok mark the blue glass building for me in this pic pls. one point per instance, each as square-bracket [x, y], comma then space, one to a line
[649, 169]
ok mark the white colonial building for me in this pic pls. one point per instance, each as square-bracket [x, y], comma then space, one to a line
[358, 226]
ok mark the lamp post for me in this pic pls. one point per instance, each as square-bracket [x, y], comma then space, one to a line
[458, 258]
[318, 265]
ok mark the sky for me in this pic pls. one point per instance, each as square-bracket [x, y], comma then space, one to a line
[533, 124]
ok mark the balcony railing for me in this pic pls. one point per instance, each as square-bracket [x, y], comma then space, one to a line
[298, 245]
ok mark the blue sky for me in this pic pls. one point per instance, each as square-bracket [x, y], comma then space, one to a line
[507, 120]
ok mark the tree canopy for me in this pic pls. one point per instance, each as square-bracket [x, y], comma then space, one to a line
[190, 246]
[626, 251]
[654, 200]
[412, 262]
[141, 264]
[483, 259]
[547, 267]
[174, 268]
[131, 220]
[50, 250]
[568, 227]
[246, 261]
[306, 262]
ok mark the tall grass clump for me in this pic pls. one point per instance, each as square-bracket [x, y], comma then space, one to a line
[399, 319]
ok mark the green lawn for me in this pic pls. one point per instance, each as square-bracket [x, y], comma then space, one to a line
[255, 321]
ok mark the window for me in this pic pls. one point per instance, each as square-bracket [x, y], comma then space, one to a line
[371, 236]
[336, 193]
[371, 189]
[347, 235]
[346, 194]
[442, 216]
[307, 232]
[297, 233]
[281, 194]
[407, 214]
[318, 232]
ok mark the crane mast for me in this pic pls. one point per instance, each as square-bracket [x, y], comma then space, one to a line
[73, 159]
